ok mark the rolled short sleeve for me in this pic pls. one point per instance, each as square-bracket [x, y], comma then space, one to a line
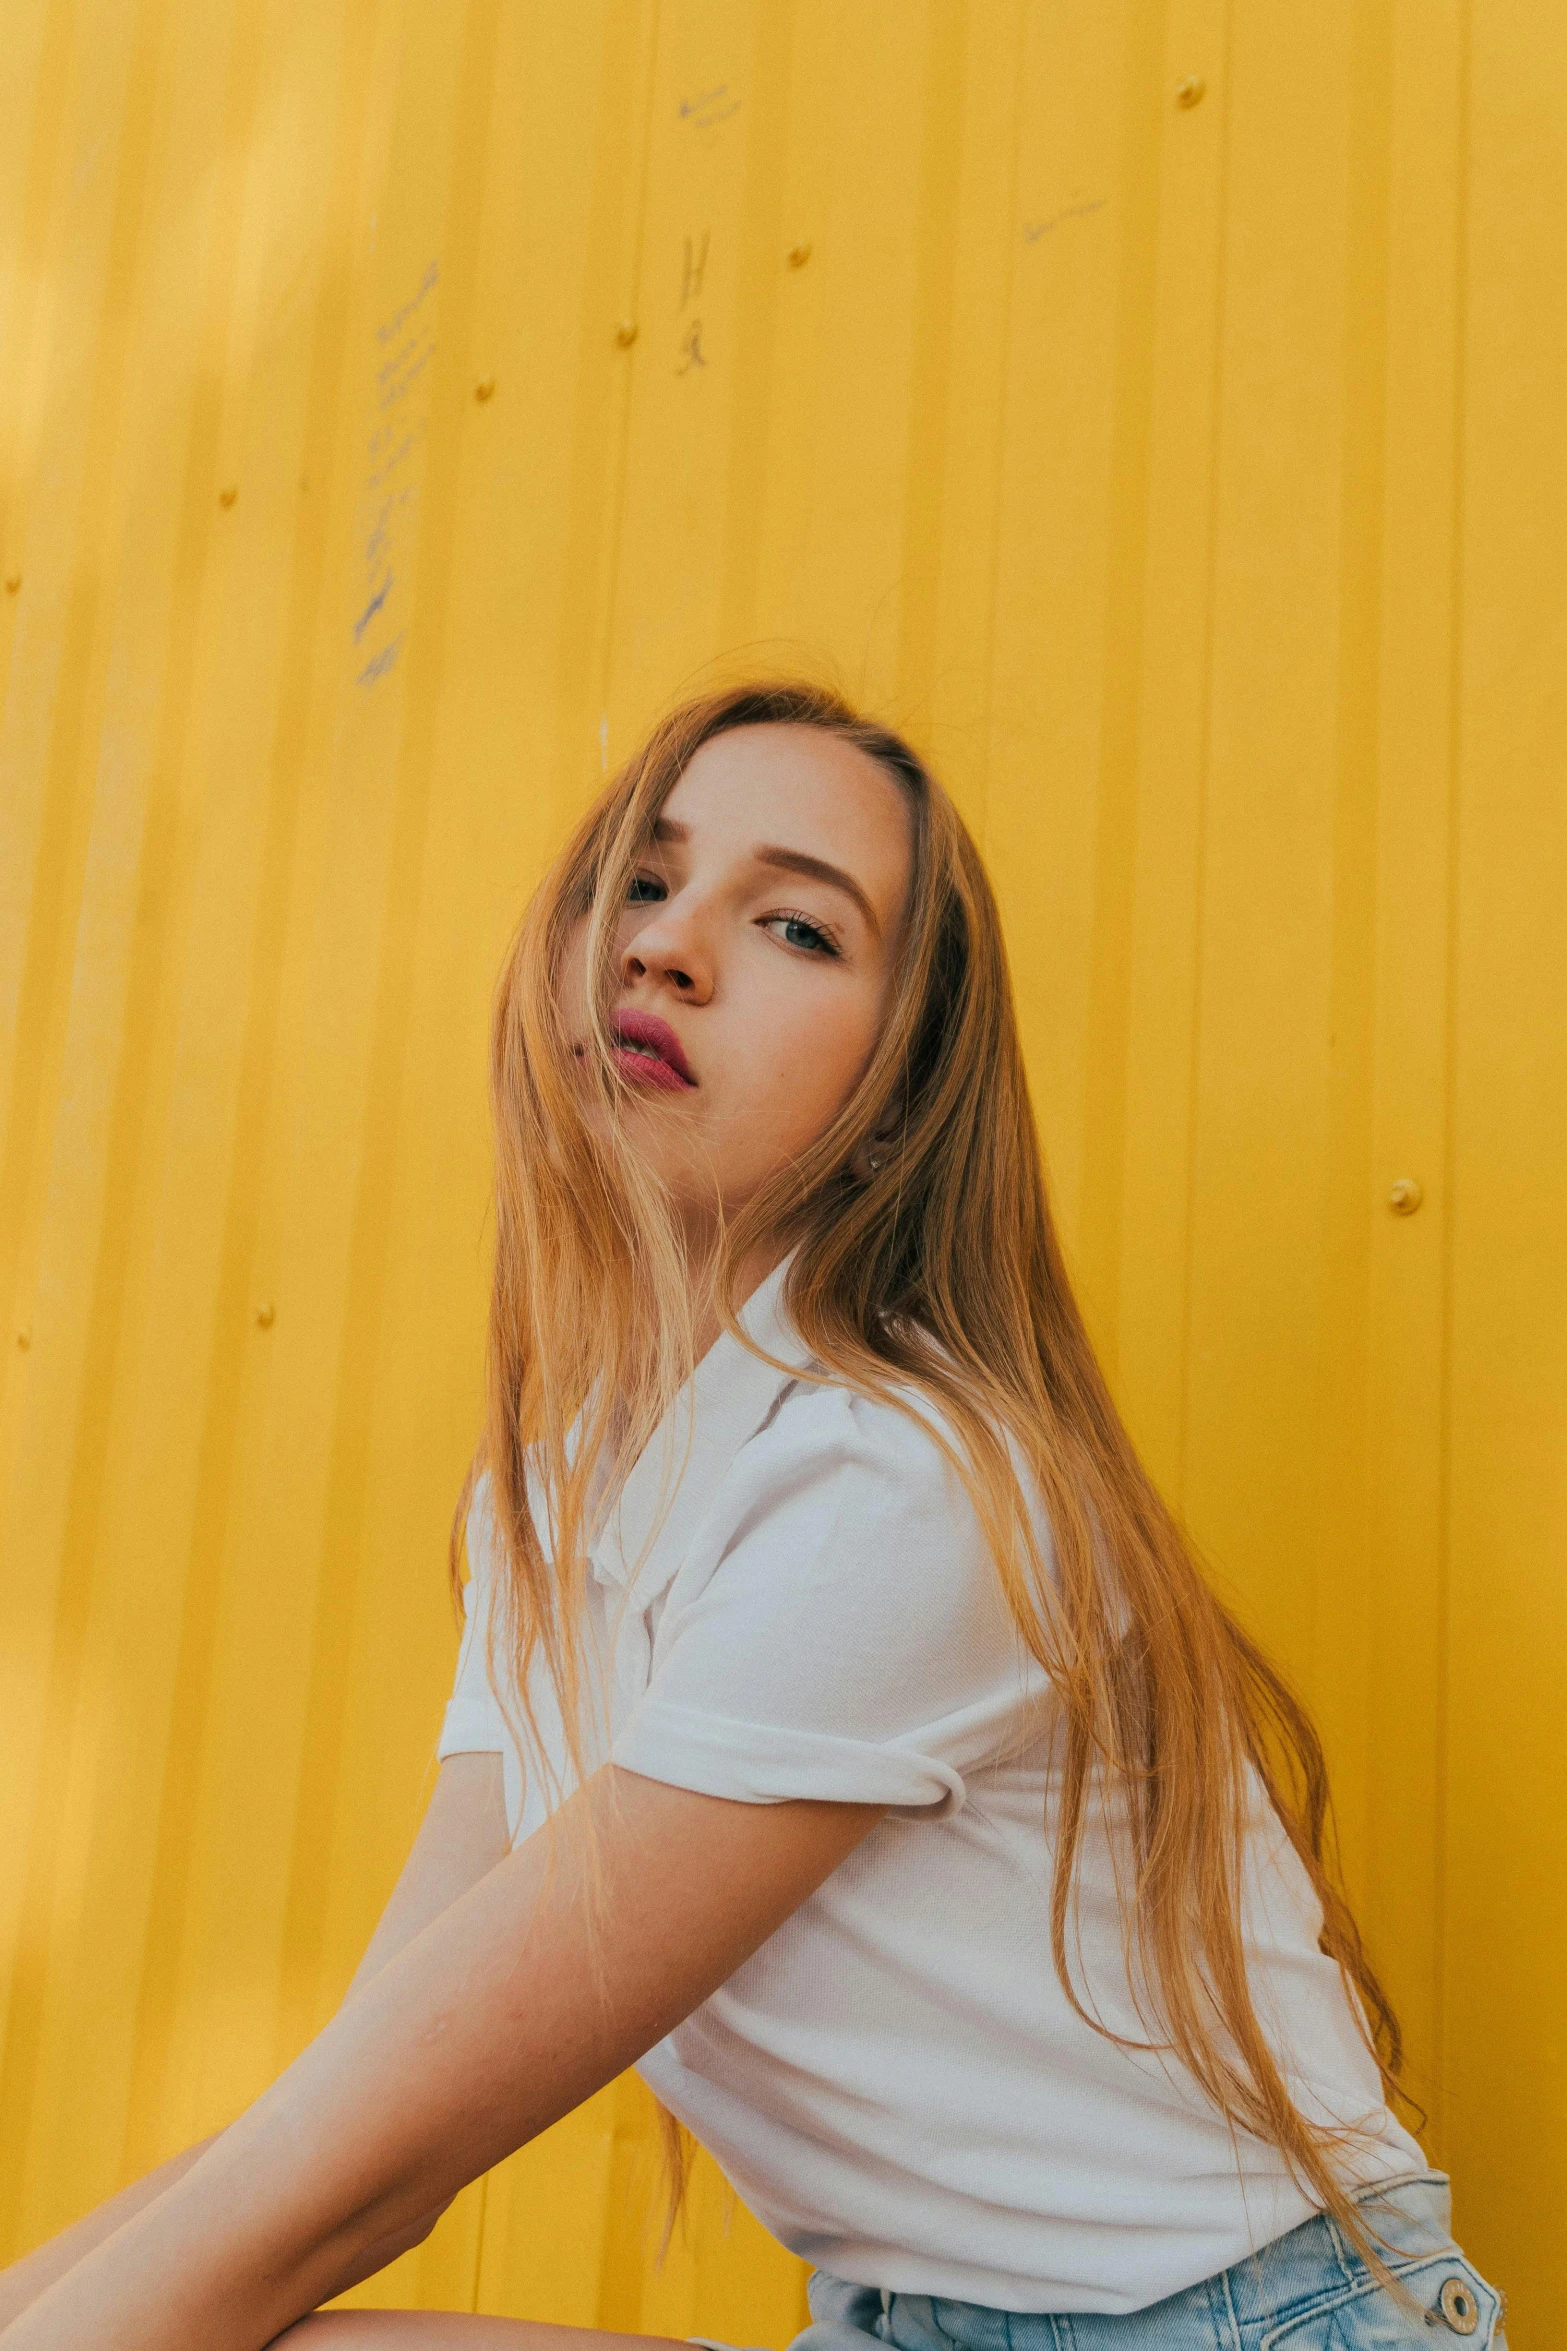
[473, 1723]
[838, 1629]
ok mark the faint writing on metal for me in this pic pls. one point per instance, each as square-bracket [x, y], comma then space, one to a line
[694, 268]
[405, 343]
[372, 608]
[709, 107]
[693, 272]
[393, 326]
[379, 663]
[1033, 230]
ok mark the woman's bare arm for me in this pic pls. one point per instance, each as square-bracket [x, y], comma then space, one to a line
[463, 1834]
[567, 1960]
[23, 2282]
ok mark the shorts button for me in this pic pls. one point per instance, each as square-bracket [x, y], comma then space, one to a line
[1459, 2307]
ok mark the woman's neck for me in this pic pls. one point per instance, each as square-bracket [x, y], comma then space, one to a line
[748, 1276]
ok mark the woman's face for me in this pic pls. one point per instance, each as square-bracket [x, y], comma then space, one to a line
[754, 958]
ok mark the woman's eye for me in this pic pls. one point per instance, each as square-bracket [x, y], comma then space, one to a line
[796, 931]
[645, 890]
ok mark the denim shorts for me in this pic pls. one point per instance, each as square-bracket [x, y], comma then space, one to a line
[1308, 2291]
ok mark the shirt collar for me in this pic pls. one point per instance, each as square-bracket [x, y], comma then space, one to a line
[726, 1400]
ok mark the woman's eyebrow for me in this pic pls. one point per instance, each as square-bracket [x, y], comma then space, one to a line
[818, 870]
[667, 828]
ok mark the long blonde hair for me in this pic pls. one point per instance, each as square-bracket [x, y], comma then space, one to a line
[936, 1270]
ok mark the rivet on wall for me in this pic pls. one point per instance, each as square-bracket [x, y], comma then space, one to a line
[228, 496]
[626, 333]
[484, 389]
[1405, 1196]
[24, 1340]
[13, 581]
[1192, 91]
[266, 1315]
[798, 255]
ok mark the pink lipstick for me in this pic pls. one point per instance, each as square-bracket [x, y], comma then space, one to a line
[647, 1052]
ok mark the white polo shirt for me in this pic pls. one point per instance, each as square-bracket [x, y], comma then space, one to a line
[896, 2082]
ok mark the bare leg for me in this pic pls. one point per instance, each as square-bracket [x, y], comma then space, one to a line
[448, 2330]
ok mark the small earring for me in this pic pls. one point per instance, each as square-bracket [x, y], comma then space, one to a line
[872, 1161]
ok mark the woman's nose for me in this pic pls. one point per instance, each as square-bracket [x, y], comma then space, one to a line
[670, 949]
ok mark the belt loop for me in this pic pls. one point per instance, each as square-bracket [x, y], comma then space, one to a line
[886, 2302]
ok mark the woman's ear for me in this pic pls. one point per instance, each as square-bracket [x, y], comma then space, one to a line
[871, 1154]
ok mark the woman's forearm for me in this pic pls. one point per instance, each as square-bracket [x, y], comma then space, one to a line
[463, 1835]
[558, 1969]
[25, 2280]
[333, 2170]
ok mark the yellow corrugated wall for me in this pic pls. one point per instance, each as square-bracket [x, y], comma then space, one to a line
[399, 400]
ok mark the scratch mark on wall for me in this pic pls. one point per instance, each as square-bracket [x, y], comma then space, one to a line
[1033, 230]
[406, 336]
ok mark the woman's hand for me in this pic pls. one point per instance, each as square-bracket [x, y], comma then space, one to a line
[566, 1961]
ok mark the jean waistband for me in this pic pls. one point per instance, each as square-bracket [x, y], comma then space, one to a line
[1312, 2269]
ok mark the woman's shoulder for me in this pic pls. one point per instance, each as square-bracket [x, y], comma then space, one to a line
[892, 1466]
[843, 1532]
[902, 1432]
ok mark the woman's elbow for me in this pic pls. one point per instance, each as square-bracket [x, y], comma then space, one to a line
[374, 2257]
[413, 2233]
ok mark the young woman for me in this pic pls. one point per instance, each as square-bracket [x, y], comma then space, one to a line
[842, 1732]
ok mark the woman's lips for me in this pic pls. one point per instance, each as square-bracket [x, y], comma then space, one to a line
[647, 1052]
